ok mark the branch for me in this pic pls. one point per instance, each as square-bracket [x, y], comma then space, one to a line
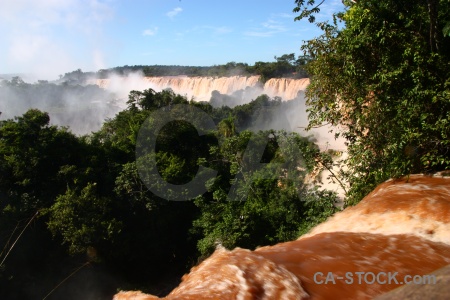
[12, 246]
[307, 13]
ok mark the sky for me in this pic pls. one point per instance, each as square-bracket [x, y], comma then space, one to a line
[48, 38]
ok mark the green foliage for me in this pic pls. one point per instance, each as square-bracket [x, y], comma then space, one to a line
[92, 199]
[384, 80]
[446, 30]
[285, 66]
[305, 11]
[32, 153]
[227, 127]
[84, 219]
[38, 163]
[271, 203]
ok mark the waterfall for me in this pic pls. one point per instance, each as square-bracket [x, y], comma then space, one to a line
[200, 88]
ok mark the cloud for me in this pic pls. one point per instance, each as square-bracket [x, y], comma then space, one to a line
[150, 31]
[285, 15]
[266, 29]
[216, 30]
[51, 37]
[274, 26]
[171, 14]
[221, 30]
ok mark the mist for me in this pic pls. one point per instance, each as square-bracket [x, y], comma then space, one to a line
[83, 106]
[82, 109]
[291, 116]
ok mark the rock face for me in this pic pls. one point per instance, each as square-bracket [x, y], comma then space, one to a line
[399, 232]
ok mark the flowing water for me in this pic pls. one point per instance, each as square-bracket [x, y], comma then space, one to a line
[401, 229]
[201, 87]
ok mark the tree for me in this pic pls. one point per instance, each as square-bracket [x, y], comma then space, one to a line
[227, 127]
[384, 79]
[84, 220]
[268, 201]
[305, 11]
[32, 152]
[38, 162]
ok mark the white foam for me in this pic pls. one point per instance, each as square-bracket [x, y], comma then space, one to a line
[419, 206]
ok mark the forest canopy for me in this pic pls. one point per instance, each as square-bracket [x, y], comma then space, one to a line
[84, 200]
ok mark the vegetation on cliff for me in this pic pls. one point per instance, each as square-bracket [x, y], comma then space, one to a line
[287, 65]
[381, 71]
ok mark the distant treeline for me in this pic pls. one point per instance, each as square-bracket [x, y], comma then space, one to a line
[287, 66]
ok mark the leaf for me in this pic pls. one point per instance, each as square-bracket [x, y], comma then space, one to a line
[446, 29]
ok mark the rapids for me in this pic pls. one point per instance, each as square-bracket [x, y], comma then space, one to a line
[402, 228]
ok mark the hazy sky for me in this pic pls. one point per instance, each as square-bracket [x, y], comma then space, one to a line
[52, 37]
